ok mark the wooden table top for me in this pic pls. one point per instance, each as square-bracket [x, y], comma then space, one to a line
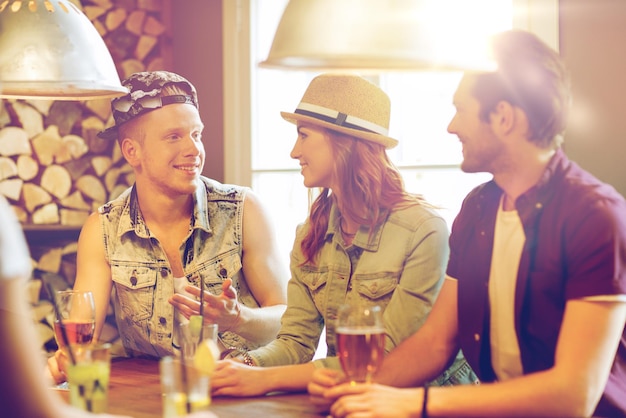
[135, 390]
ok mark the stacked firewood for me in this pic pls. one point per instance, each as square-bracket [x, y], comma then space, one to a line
[54, 170]
[53, 167]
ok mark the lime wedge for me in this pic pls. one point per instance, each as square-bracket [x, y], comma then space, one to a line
[195, 325]
[206, 356]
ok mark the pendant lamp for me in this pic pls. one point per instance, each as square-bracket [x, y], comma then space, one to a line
[379, 35]
[50, 50]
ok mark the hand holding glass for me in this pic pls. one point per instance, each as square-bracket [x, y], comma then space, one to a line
[360, 341]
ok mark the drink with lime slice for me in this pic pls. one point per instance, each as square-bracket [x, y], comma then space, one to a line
[88, 378]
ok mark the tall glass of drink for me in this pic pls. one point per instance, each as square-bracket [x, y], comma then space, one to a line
[77, 316]
[360, 341]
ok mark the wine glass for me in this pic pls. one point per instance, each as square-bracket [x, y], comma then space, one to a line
[77, 316]
[360, 341]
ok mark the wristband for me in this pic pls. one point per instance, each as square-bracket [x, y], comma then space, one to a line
[425, 402]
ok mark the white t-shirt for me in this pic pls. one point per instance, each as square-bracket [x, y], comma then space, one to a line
[508, 243]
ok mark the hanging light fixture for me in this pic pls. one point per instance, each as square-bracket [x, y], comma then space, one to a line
[50, 50]
[376, 35]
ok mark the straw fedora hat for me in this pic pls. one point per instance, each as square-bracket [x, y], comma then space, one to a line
[348, 104]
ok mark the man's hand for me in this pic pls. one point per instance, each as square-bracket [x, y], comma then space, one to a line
[57, 366]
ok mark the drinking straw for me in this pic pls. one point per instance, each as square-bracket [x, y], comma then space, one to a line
[201, 308]
[57, 313]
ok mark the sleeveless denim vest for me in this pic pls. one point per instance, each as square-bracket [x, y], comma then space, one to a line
[142, 277]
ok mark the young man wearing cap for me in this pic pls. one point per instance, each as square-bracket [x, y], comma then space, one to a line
[535, 293]
[174, 228]
[367, 241]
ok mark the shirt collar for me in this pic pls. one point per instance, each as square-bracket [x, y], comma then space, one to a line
[362, 238]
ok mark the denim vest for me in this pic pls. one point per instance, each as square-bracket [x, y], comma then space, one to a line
[142, 277]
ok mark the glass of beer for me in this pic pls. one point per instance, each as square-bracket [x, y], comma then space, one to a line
[360, 341]
[77, 316]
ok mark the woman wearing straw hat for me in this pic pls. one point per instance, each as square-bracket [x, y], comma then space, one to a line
[366, 240]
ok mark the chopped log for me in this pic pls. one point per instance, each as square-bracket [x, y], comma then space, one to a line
[11, 188]
[42, 310]
[92, 187]
[42, 106]
[14, 141]
[5, 118]
[68, 270]
[131, 66]
[105, 4]
[100, 28]
[77, 168]
[47, 144]
[33, 289]
[73, 147]
[57, 181]
[90, 127]
[110, 178]
[156, 64]
[50, 261]
[100, 107]
[94, 12]
[117, 154]
[30, 119]
[8, 168]
[101, 164]
[153, 27]
[27, 167]
[70, 249]
[44, 333]
[117, 191]
[20, 213]
[134, 23]
[151, 5]
[73, 217]
[65, 114]
[130, 178]
[75, 201]
[35, 196]
[48, 214]
[115, 18]
[144, 46]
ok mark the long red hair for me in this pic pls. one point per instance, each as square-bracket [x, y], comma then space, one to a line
[368, 184]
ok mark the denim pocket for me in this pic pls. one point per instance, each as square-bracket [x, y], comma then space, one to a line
[134, 286]
[375, 287]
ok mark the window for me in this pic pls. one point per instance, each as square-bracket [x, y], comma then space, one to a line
[259, 141]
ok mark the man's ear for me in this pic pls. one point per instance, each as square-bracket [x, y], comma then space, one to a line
[131, 151]
[503, 118]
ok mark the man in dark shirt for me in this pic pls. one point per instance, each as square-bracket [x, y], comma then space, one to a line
[535, 293]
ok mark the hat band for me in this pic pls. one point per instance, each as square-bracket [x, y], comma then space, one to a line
[339, 119]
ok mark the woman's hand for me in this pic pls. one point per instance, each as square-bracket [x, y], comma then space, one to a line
[233, 378]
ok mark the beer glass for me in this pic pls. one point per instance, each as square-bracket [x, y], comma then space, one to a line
[360, 341]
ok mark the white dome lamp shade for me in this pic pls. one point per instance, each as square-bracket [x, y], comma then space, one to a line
[377, 35]
[50, 50]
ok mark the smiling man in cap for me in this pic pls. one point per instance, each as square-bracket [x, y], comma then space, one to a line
[174, 228]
